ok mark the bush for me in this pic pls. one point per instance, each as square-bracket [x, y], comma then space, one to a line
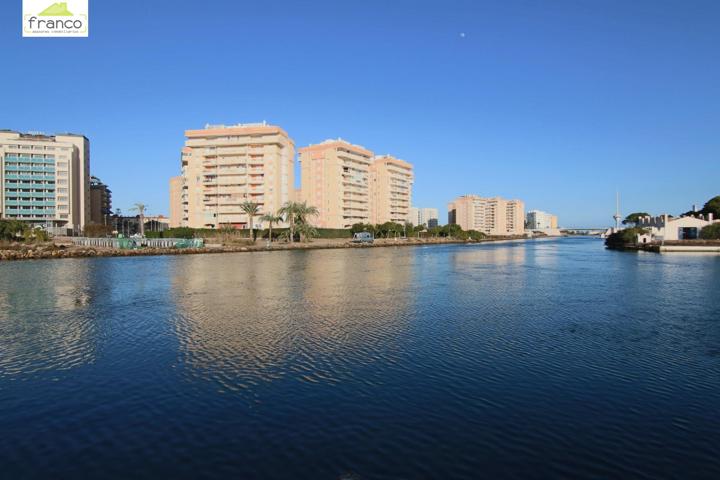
[624, 237]
[333, 233]
[711, 232]
[179, 232]
[11, 229]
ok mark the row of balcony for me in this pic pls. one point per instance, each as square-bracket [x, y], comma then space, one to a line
[41, 194]
[251, 143]
[26, 159]
[30, 211]
[48, 178]
[29, 168]
[24, 203]
[31, 186]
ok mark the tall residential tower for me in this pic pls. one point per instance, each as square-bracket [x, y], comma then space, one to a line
[391, 183]
[336, 179]
[45, 179]
[225, 166]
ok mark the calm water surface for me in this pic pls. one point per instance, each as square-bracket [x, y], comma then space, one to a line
[547, 359]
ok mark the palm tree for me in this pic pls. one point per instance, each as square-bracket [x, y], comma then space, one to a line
[251, 209]
[140, 208]
[288, 212]
[270, 218]
[302, 212]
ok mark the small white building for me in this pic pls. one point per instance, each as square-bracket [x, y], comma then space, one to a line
[665, 227]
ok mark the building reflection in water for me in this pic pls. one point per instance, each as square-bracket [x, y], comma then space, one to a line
[45, 321]
[245, 319]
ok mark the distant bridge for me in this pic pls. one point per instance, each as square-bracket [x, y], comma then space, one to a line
[584, 231]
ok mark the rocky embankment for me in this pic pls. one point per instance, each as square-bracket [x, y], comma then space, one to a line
[44, 251]
[21, 251]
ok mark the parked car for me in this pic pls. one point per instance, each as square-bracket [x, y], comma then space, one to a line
[363, 237]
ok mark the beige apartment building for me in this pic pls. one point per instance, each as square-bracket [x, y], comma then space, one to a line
[492, 216]
[335, 178]
[176, 201]
[45, 180]
[225, 166]
[391, 183]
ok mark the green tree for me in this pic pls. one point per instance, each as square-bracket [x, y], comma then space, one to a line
[270, 219]
[297, 214]
[251, 209]
[306, 231]
[634, 218]
[712, 206]
[303, 213]
[12, 229]
[359, 227]
[624, 237]
[711, 232]
[288, 212]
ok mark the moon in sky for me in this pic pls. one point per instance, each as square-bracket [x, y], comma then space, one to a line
[462, 34]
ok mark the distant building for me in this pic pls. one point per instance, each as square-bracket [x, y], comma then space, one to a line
[423, 216]
[391, 181]
[100, 201]
[432, 223]
[539, 220]
[176, 201]
[665, 227]
[492, 216]
[225, 166]
[130, 225]
[156, 223]
[46, 179]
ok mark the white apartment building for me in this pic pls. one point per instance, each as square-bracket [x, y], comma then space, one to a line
[539, 220]
[45, 180]
[422, 216]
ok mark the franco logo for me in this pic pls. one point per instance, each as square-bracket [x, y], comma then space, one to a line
[60, 19]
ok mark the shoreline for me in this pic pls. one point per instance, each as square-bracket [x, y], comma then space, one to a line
[50, 252]
[674, 246]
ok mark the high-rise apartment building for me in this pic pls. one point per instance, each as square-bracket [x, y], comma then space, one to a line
[492, 216]
[391, 183]
[225, 166]
[100, 201]
[45, 179]
[423, 216]
[335, 178]
[539, 220]
[176, 203]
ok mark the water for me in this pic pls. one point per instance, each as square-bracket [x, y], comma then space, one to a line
[522, 360]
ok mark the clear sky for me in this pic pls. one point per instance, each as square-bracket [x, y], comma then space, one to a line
[557, 103]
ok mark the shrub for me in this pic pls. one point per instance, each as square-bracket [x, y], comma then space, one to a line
[711, 232]
[11, 229]
[179, 232]
[624, 237]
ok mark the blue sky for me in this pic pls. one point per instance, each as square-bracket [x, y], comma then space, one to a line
[557, 103]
